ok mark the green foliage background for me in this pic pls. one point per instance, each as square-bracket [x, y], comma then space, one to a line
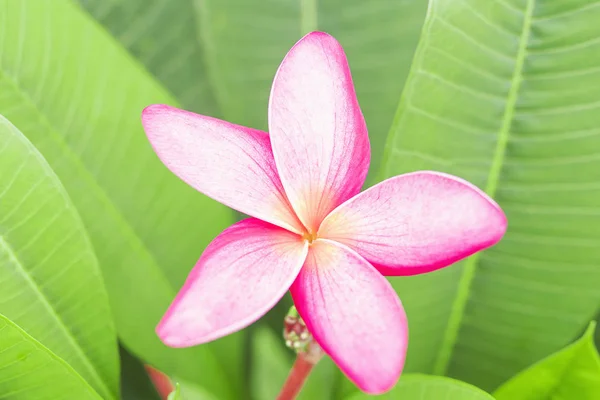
[504, 93]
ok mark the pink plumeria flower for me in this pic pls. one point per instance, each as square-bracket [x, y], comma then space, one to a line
[311, 231]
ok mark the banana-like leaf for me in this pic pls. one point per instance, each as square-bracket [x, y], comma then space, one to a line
[163, 36]
[77, 95]
[241, 43]
[571, 373]
[49, 277]
[504, 93]
[28, 370]
[423, 387]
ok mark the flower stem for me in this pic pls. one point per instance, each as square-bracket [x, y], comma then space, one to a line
[295, 380]
[308, 353]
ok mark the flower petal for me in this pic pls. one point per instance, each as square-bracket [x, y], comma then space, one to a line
[317, 130]
[417, 222]
[240, 276]
[230, 163]
[354, 314]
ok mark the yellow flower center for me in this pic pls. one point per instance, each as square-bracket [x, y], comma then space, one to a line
[309, 236]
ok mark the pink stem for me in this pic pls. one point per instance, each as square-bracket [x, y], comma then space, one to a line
[295, 380]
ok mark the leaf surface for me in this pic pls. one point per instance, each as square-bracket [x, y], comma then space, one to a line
[571, 373]
[499, 94]
[226, 68]
[49, 275]
[28, 370]
[77, 95]
[423, 387]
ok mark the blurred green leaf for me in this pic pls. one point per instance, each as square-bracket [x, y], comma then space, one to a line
[423, 387]
[135, 383]
[271, 365]
[28, 370]
[190, 391]
[571, 373]
[77, 95]
[49, 277]
[500, 94]
[162, 35]
[239, 45]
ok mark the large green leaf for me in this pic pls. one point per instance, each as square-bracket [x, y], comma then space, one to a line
[571, 373]
[77, 95]
[241, 43]
[423, 387]
[49, 277]
[162, 35]
[502, 93]
[28, 370]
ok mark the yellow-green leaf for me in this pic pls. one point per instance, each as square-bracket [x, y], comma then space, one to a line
[423, 387]
[50, 283]
[77, 95]
[569, 374]
[502, 93]
[28, 370]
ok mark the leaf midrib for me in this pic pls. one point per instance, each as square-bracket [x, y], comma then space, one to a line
[308, 16]
[469, 269]
[52, 311]
[308, 22]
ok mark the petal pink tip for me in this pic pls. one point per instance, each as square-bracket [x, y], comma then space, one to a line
[241, 275]
[230, 163]
[153, 109]
[354, 314]
[319, 35]
[417, 222]
[318, 132]
[165, 334]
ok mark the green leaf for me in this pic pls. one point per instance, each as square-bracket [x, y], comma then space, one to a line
[77, 95]
[28, 370]
[162, 35]
[423, 387]
[499, 94]
[190, 391]
[135, 383]
[271, 364]
[49, 275]
[242, 44]
[571, 373]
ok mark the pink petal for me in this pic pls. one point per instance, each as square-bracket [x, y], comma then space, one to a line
[354, 314]
[230, 163]
[240, 276]
[317, 130]
[417, 222]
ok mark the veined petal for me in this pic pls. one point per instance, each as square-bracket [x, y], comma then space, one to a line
[417, 222]
[241, 275]
[354, 314]
[230, 163]
[317, 129]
